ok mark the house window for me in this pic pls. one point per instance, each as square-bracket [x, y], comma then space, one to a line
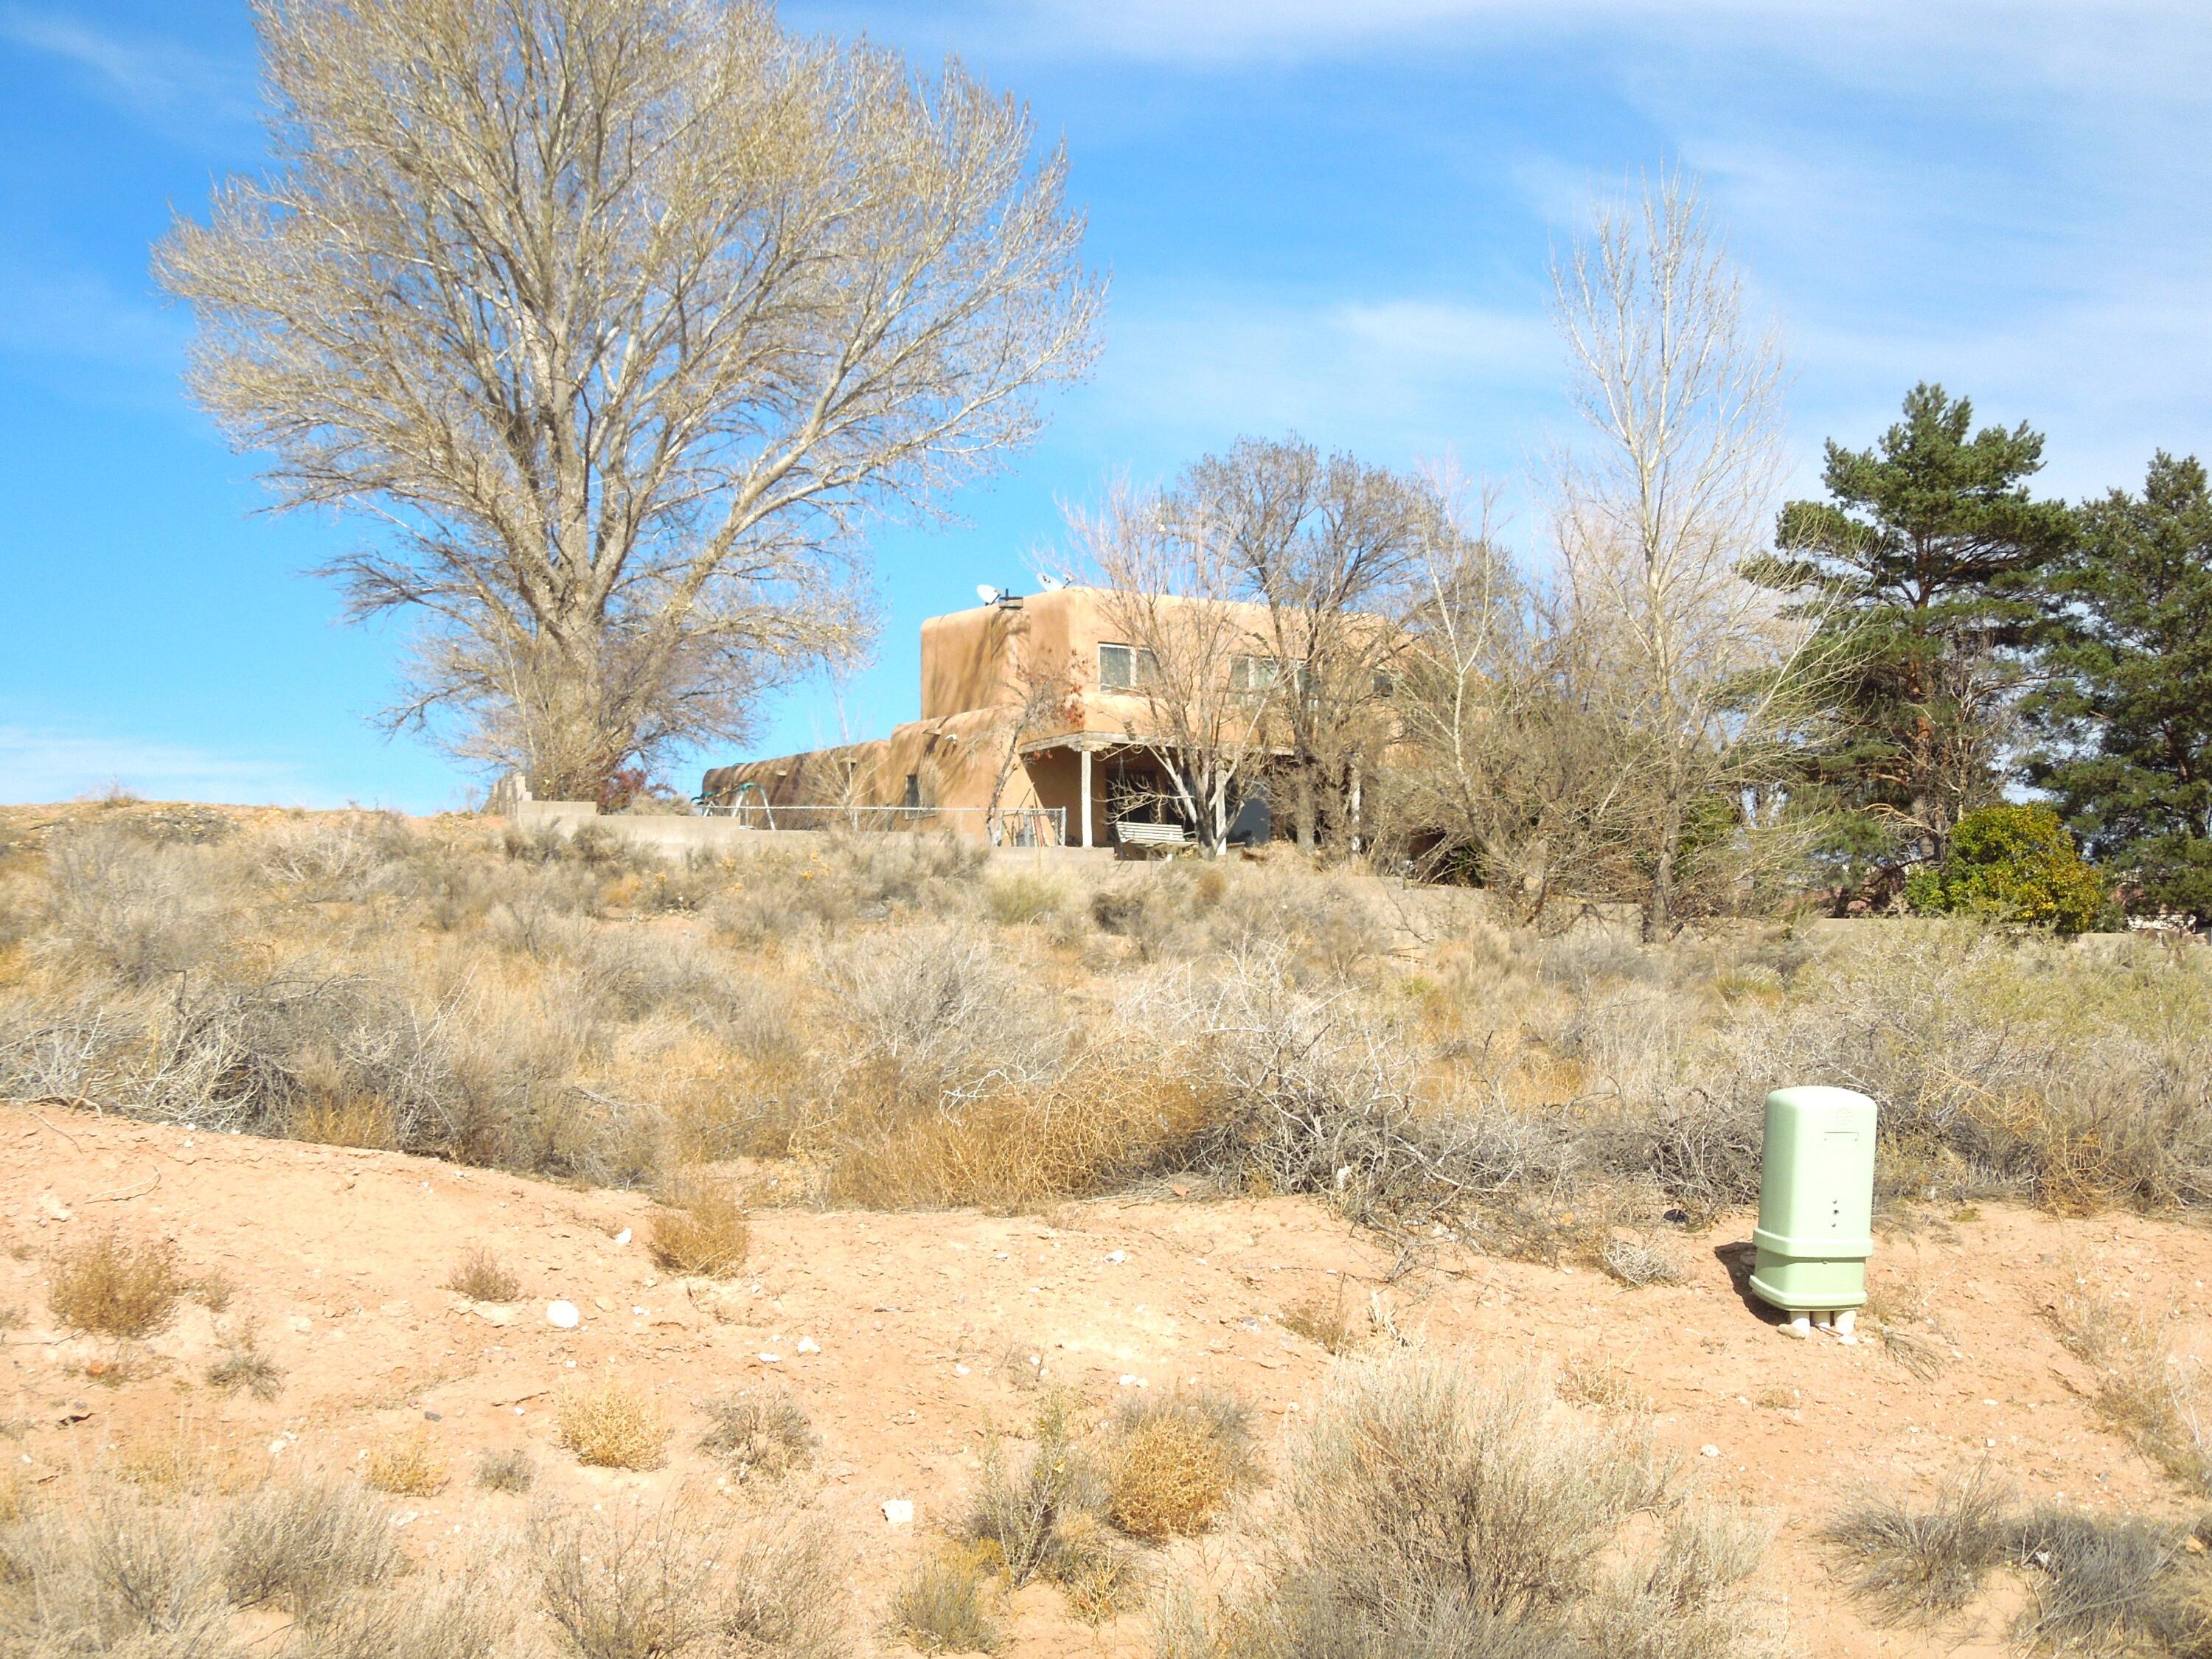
[1264, 674]
[1253, 673]
[913, 789]
[1126, 667]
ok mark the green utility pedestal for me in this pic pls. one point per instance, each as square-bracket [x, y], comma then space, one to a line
[1815, 1207]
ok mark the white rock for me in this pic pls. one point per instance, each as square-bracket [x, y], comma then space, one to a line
[623, 1237]
[808, 1345]
[899, 1511]
[1709, 1452]
[299, 1322]
[771, 1359]
[562, 1314]
[960, 1371]
[1117, 1256]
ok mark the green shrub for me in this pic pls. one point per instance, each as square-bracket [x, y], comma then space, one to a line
[2012, 864]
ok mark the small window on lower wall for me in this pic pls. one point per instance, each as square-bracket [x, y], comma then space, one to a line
[913, 789]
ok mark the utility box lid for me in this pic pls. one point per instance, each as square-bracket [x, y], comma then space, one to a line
[1816, 1183]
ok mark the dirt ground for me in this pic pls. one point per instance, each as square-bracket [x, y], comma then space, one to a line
[908, 1338]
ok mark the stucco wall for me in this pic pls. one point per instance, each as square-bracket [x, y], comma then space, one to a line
[973, 664]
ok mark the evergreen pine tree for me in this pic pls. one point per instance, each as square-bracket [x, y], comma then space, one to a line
[2127, 715]
[1922, 563]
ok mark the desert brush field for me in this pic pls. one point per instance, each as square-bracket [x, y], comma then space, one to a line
[418, 1239]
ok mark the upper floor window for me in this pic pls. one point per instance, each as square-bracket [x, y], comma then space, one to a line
[1126, 667]
[1263, 674]
[1254, 673]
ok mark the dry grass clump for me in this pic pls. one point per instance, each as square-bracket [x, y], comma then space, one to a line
[657, 1584]
[300, 1567]
[1023, 898]
[510, 1471]
[935, 1012]
[481, 1276]
[110, 1572]
[131, 911]
[178, 1462]
[1429, 1509]
[243, 1365]
[1927, 1562]
[1634, 1262]
[2147, 1394]
[611, 1427]
[1604, 1384]
[112, 1288]
[1325, 1319]
[407, 1467]
[760, 1432]
[1042, 1518]
[2102, 1584]
[1174, 1463]
[1012, 1147]
[304, 1542]
[702, 1228]
[945, 1605]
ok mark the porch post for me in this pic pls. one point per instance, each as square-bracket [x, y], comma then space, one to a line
[1083, 755]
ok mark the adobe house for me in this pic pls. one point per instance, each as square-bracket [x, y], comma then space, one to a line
[1028, 702]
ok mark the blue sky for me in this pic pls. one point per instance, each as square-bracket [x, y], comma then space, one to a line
[1331, 218]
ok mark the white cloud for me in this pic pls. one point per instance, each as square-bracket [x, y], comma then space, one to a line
[38, 764]
[1391, 374]
[81, 316]
[2141, 45]
[163, 83]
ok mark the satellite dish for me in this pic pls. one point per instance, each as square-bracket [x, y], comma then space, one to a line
[987, 593]
[1051, 584]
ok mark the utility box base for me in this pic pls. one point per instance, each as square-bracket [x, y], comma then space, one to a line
[1797, 1285]
[1815, 1201]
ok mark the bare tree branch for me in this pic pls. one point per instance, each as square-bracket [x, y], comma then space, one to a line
[620, 316]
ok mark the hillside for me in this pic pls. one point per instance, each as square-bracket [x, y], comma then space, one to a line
[925, 1324]
[1246, 1262]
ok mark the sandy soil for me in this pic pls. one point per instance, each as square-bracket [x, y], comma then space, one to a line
[926, 1325]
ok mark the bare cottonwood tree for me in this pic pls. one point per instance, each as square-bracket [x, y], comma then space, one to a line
[1330, 548]
[617, 316]
[1671, 493]
[1504, 766]
[1171, 590]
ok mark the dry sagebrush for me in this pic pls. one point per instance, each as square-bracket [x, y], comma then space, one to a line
[1432, 1510]
[885, 1027]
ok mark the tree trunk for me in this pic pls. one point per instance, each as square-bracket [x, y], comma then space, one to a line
[1659, 903]
[1305, 805]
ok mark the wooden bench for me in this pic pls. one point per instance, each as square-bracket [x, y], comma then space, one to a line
[1130, 833]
